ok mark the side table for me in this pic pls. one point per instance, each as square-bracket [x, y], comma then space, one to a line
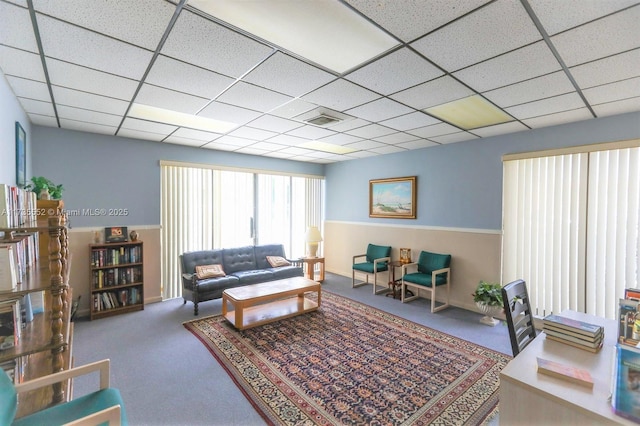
[394, 283]
[310, 266]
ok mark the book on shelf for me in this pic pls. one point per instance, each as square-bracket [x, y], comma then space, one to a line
[632, 293]
[10, 323]
[548, 327]
[625, 397]
[578, 341]
[567, 372]
[9, 271]
[628, 322]
[575, 326]
[576, 345]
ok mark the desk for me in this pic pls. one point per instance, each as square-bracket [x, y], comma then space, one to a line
[529, 398]
[310, 265]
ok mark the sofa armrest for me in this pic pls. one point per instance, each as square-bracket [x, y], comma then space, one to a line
[101, 366]
[109, 415]
[358, 256]
[189, 277]
[295, 262]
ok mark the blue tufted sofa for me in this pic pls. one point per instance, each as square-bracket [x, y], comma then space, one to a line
[242, 266]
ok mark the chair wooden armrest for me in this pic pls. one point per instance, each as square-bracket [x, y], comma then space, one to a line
[407, 265]
[102, 366]
[357, 256]
[381, 259]
[437, 272]
[110, 415]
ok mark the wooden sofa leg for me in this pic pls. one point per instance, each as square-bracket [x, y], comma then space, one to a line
[195, 308]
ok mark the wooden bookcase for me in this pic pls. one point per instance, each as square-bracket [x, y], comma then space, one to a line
[45, 342]
[117, 278]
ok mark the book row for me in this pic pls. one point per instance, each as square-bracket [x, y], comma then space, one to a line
[116, 299]
[17, 207]
[18, 251]
[101, 257]
[116, 276]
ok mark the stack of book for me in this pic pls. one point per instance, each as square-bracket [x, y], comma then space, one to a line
[580, 334]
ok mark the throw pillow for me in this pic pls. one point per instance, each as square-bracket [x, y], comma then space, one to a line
[209, 271]
[277, 261]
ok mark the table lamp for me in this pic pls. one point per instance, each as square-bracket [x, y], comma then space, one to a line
[312, 237]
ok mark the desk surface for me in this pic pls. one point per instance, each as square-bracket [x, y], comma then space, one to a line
[594, 403]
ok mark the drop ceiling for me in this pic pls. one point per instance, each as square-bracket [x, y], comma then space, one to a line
[85, 65]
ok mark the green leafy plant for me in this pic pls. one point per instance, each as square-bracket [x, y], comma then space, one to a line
[488, 293]
[38, 183]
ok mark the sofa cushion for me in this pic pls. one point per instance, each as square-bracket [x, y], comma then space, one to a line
[208, 285]
[239, 259]
[267, 250]
[376, 252]
[425, 279]
[286, 272]
[428, 262]
[254, 276]
[278, 261]
[209, 271]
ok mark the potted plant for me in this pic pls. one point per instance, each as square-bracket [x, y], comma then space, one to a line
[488, 298]
[39, 184]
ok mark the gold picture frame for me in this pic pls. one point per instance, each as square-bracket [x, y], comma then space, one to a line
[393, 198]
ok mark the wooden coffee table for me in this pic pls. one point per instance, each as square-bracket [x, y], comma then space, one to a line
[263, 303]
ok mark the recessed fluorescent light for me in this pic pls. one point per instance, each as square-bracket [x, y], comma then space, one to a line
[326, 147]
[161, 115]
[470, 113]
[324, 31]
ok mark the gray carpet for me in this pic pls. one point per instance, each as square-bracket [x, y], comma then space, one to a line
[168, 377]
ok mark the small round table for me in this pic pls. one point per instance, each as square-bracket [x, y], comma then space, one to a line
[394, 284]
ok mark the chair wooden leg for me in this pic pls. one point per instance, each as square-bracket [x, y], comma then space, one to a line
[353, 280]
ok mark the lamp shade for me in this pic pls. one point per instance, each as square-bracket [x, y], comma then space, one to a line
[313, 235]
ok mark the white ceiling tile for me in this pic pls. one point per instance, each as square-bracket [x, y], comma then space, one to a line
[76, 45]
[279, 154]
[87, 127]
[288, 140]
[87, 80]
[434, 130]
[193, 134]
[87, 116]
[491, 31]
[37, 107]
[612, 92]
[340, 95]
[366, 144]
[546, 86]
[169, 99]
[16, 29]
[287, 75]
[454, 137]
[409, 19]
[417, 144]
[75, 98]
[439, 91]
[617, 107]
[552, 105]
[607, 36]
[607, 70]
[213, 46]
[43, 120]
[500, 129]
[394, 72]
[410, 121]
[557, 16]
[311, 132]
[380, 109]
[219, 146]
[22, 3]
[371, 131]
[396, 138]
[293, 108]
[230, 113]
[350, 124]
[20, 63]
[147, 126]
[253, 97]
[251, 151]
[558, 118]
[294, 151]
[522, 64]
[251, 133]
[177, 140]
[137, 134]
[142, 25]
[274, 124]
[361, 154]
[24, 88]
[389, 149]
[267, 146]
[171, 74]
[341, 139]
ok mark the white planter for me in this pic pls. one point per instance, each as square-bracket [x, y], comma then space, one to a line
[489, 311]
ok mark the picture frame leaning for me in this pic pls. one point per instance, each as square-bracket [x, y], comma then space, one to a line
[393, 197]
[21, 156]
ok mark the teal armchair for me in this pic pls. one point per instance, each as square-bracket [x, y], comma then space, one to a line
[103, 406]
[432, 270]
[376, 260]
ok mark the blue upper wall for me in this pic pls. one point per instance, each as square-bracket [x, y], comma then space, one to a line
[459, 185]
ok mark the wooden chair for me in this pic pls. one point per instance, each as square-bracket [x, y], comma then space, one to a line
[517, 309]
[103, 406]
[377, 260]
[433, 271]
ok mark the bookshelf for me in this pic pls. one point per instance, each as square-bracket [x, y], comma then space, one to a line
[44, 346]
[117, 278]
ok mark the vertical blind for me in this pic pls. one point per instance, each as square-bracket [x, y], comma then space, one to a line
[204, 208]
[570, 228]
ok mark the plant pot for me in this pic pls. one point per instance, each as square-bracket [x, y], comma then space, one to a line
[489, 311]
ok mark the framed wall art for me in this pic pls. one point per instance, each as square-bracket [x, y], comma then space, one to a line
[21, 156]
[393, 198]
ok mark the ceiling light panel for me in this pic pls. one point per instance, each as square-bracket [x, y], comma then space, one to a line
[340, 95]
[288, 75]
[142, 25]
[247, 95]
[408, 20]
[169, 99]
[325, 32]
[213, 46]
[470, 113]
[394, 72]
[18, 62]
[76, 45]
[74, 98]
[434, 92]
[160, 115]
[493, 30]
[522, 64]
[607, 70]
[12, 31]
[607, 36]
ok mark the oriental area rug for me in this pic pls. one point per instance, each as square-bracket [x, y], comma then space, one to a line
[351, 364]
